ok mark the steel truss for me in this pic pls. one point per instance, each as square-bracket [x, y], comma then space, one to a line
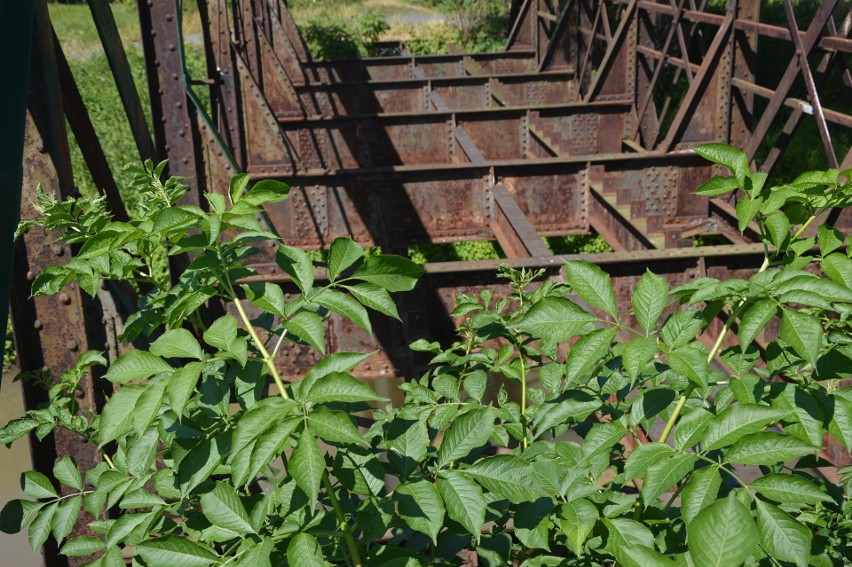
[583, 124]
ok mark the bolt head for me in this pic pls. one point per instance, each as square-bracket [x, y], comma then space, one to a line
[72, 345]
[64, 298]
[38, 325]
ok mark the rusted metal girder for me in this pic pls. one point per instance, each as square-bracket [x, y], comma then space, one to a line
[496, 146]
[50, 332]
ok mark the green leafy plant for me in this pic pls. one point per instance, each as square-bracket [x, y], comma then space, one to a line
[530, 441]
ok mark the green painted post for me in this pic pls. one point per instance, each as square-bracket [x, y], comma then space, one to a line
[16, 31]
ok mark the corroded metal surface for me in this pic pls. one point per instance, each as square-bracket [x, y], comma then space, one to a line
[582, 124]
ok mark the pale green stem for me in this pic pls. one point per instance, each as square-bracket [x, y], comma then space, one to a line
[268, 359]
[523, 396]
[717, 346]
[344, 526]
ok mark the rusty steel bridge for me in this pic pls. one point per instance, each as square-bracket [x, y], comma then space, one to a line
[583, 124]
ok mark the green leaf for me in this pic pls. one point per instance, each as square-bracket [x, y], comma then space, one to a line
[182, 384]
[267, 191]
[643, 457]
[577, 519]
[223, 507]
[573, 405]
[803, 333]
[778, 229]
[393, 273]
[16, 429]
[839, 268]
[136, 365]
[681, 328]
[701, 490]
[625, 532]
[691, 363]
[374, 297]
[221, 333]
[65, 471]
[65, 517]
[754, 320]
[767, 448]
[117, 416]
[840, 425]
[82, 546]
[829, 239]
[747, 209]
[266, 296]
[664, 474]
[507, 476]
[334, 426]
[201, 461]
[420, 506]
[307, 466]
[601, 438]
[555, 319]
[407, 437]
[124, 525]
[691, 428]
[237, 187]
[789, 489]
[586, 354]
[781, 536]
[258, 555]
[305, 551]
[463, 500]
[177, 343]
[259, 419]
[16, 514]
[346, 306]
[342, 388]
[307, 327]
[467, 432]
[592, 284]
[722, 534]
[266, 448]
[140, 498]
[39, 529]
[650, 298]
[343, 253]
[718, 185]
[733, 158]
[533, 523]
[297, 265]
[337, 362]
[148, 405]
[736, 422]
[637, 354]
[640, 556]
[174, 550]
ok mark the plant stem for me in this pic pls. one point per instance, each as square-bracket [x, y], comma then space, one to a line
[728, 471]
[344, 526]
[717, 346]
[267, 358]
[108, 460]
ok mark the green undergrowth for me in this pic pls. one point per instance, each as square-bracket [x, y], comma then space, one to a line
[9, 356]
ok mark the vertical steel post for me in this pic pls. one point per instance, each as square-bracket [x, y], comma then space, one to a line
[16, 24]
[175, 134]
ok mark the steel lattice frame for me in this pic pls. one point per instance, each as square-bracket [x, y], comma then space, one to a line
[577, 127]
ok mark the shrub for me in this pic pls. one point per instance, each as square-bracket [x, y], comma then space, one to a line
[568, 472]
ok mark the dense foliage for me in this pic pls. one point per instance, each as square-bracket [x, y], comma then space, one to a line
[567, 472]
